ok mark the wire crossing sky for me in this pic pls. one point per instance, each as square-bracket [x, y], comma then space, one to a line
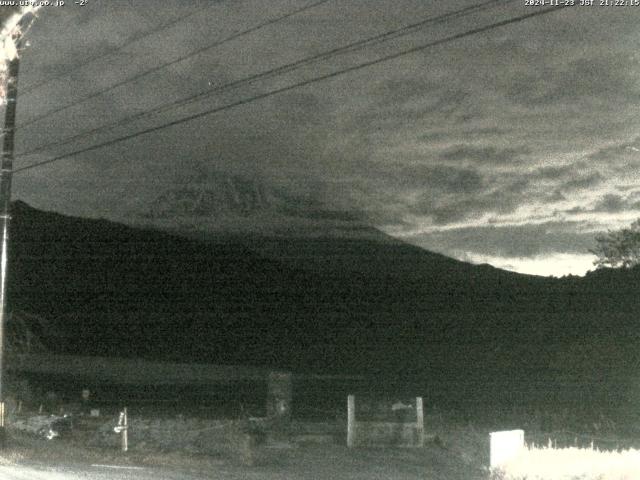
[304, 83]
[163, 66]
[112, 51]
[386, 36]
[488, 131]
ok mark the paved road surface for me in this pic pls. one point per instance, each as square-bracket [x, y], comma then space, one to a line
[89, 473]
[331, 462]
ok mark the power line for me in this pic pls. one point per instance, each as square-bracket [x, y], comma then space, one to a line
[99, 56]
[297, 85]
[162, 66]
[348, 48]
[303, 83]
[351, 47]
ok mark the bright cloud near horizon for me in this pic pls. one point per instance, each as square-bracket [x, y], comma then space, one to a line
[513, 147]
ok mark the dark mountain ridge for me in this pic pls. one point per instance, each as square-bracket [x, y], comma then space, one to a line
[321, 304]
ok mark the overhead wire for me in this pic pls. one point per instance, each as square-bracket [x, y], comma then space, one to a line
[164, 65]
[296, 85]
[112, 51]
[280, 70]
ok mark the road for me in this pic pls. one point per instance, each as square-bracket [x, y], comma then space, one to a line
[91, 472]
[313, 462]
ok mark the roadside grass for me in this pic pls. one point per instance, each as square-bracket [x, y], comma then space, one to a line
[456, 454]
[236, 447]
[11, 457]
[535, 463]
[457, 448]
[74, 451]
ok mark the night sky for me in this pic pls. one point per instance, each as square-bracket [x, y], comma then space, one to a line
[513, 146]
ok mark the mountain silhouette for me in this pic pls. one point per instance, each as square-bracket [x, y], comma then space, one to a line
[367, 303]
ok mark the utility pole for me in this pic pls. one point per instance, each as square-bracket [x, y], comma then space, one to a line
[6, 174]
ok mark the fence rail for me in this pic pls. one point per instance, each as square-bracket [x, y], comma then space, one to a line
[125, 371]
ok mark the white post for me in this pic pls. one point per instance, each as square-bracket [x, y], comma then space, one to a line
[420, 421]
[504, 446]
[125, 431]
[351, 420]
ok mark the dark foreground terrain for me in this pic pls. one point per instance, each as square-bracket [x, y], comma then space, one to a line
[459, 453]
[367, 304]
[317, 462]
[457, 448]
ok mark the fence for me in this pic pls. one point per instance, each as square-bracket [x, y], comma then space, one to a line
[387, 423]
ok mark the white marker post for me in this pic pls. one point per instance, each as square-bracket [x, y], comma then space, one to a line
[123, 429]
[420, 421]
[125, 432]
[351, 420]
[505, 446]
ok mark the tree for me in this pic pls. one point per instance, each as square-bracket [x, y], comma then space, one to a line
[618, 248]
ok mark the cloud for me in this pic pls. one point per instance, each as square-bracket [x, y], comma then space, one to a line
[443, 178]
[587, 79]
[503, 144]
[556, 264]
[510, 241]
[483, 155]
[398, 92]
[453, 134]
[611, 203]
[448, 210]
[582, 181]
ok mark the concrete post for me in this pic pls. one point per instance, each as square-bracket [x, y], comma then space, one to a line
[504, 446]
[279, 396]
[351, 420]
